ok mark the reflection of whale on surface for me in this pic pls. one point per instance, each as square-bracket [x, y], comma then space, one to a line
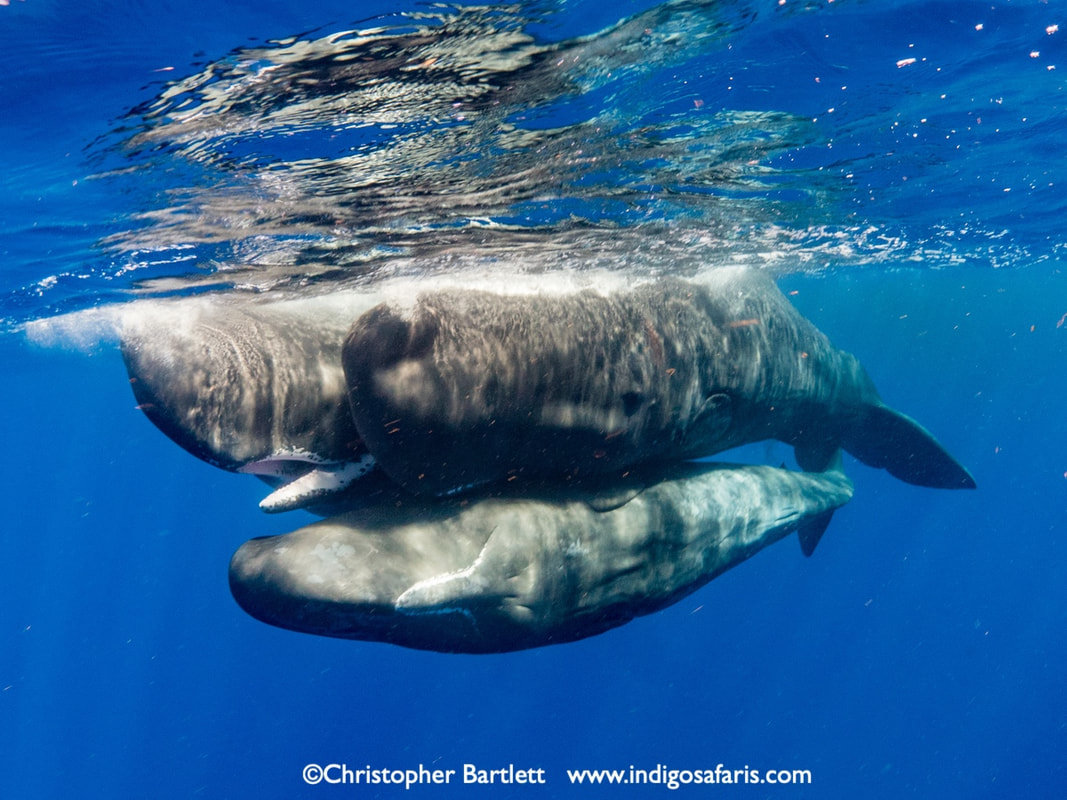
[500, 573]
[470, 387]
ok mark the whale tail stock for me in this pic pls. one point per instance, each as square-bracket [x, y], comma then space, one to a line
[883, 438]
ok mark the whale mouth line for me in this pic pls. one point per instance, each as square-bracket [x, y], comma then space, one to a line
[286, 464]
[302, 479]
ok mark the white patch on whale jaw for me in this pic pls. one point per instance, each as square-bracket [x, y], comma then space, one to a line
[305, 478]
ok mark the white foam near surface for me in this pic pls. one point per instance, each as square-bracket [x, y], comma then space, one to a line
[91, 329]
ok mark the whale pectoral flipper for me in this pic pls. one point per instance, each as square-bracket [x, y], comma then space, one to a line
[448, 593]
[888, 439]
[811, 531]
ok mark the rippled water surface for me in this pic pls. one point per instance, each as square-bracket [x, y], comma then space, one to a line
[898, 166]
[790, 135]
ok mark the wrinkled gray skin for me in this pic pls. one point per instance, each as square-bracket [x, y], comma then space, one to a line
[467, 387]
[501, 573]
[463, 387]
[254, 388]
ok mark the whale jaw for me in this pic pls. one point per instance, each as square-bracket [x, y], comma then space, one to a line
[303, 480]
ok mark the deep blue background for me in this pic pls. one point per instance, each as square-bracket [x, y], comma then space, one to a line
[919, 653]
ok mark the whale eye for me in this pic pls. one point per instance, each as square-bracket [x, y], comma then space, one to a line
[632, 402]
[716, 401]
[716, 412]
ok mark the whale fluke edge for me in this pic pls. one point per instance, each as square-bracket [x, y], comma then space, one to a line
[894, 441]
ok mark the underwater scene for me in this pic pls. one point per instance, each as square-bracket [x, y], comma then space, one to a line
[549, 399]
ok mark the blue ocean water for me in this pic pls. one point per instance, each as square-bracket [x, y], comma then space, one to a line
[899, 165]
